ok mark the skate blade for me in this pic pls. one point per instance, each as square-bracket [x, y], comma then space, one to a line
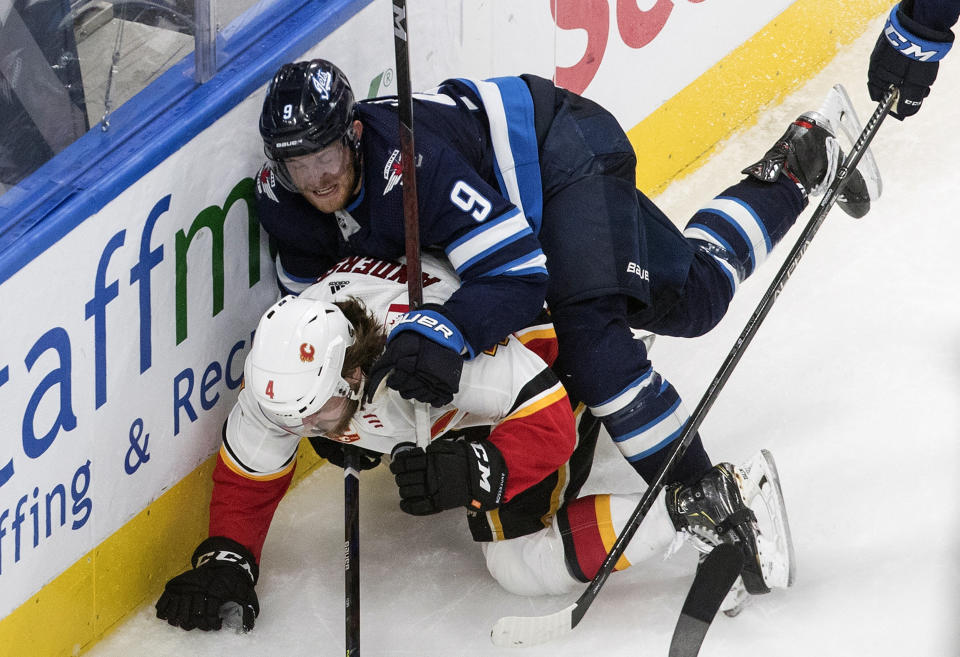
[759, 480]
[838, 109]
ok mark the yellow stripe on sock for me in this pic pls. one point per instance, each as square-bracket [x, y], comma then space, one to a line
[608, 534]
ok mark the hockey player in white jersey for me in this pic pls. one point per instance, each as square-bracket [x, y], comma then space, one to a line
[509, 449]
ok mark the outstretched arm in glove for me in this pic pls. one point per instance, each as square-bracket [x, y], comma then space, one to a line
[225, 566]
[908, 51]
[222, 578]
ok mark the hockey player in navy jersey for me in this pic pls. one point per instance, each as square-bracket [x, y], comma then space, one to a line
[508, 448]
[529, 192]
[907, 55]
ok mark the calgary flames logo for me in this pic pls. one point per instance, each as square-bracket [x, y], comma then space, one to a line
[306, 353]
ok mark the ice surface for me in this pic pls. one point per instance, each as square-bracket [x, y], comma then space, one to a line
[853, 382]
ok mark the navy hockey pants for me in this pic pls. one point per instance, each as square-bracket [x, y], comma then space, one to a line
[616, 263]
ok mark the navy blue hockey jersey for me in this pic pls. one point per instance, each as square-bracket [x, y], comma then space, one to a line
[479, 203]
[937, 14]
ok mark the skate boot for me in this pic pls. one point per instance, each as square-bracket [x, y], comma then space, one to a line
[809, 154]
[711, 512]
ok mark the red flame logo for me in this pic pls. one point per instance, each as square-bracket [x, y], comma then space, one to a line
[306, 352]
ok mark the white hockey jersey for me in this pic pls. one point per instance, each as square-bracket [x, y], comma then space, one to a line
[509, 388]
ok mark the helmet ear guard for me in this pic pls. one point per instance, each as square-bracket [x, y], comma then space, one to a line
[294, 366]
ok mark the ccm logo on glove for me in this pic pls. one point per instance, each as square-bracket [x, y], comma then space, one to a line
[229, 557]
[221, 582]
[483, 468]
[449, 474]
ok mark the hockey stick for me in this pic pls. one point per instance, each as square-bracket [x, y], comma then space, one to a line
[411, 218]
[411, 214]
[530, 630]
[351, 550]
[715, 575]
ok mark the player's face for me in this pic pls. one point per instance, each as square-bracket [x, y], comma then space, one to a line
[332, 420]
[330, 416]
[327, 178]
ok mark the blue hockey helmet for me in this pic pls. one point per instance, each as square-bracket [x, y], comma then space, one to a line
[309, 105]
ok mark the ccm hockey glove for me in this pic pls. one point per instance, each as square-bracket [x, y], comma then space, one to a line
[448, 475]
[422, 360]
[223, 576]
[906, 55]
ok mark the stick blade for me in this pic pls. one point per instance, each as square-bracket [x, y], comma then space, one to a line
[523, 631]
[715, 575]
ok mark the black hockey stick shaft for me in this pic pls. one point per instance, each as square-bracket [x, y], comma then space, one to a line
[411, 216]
[715, 576]
[351, 551]
[733, 357]
[408, 173]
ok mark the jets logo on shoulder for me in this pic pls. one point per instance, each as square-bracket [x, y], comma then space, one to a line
[392, 172]
[336, 286]
[266, 182]
[321, 81]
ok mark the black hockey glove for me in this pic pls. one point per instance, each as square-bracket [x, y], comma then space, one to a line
[223, 576]
[906, 55]
[364, 459]
[449, 474]
[422, 360]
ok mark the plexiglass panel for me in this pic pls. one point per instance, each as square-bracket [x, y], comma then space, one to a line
[67, 65]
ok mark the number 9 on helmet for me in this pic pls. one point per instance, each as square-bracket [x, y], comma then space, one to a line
[294, 366]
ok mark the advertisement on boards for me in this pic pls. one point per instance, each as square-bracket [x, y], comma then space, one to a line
[123, 352]
[631, 56]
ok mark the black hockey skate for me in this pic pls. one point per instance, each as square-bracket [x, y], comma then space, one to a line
[711, 512]
[809, 154]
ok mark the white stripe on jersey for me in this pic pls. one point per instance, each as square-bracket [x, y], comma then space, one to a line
[500, 138]
[697, 233]
[486, 239]
[652, 436]
[625, 398]
[746, 221]
[537, 263]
